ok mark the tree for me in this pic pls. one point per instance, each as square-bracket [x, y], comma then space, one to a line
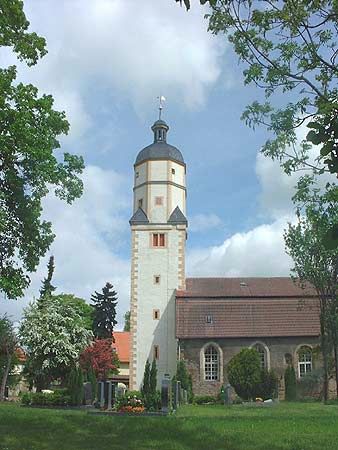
[126, 321]
[290, 384]
[316, 264]
[29, 165]
[153, 378]
[101, 358]
[184, 377]
[104, 312]
[47, 288]
[83, 309]
[146, 380]
[8, 344]
[53, 338]
[244, 373]
[288, 47]
[75, 386]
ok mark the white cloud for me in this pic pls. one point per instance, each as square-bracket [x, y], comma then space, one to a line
[258, 252]
[203, 222]
[88, 239]
[137, 50]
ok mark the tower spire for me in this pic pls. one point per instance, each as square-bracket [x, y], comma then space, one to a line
[162, 99]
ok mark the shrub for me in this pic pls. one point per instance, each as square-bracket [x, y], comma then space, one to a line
[244, 373]
[204, 399]
[185, 378]
[75, 386]
[310, 385]
[60, 397]
[267, 387]
[132, 401]
[290, 384]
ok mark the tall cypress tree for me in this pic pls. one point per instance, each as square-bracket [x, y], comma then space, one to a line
[47, 288]
[146, 380]
[153, 378]
[105, 312]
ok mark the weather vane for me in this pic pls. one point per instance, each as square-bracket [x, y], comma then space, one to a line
[162, 100]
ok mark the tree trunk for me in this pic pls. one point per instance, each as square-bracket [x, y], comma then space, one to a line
[4, 377]
[323, 339]
[336, 366]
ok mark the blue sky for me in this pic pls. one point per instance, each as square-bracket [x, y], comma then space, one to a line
[108, 60]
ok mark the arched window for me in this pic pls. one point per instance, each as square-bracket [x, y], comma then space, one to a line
[211, 363]
[304, 361]
[262, 355]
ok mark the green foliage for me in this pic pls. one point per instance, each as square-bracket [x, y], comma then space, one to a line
[47, 288]
[60, 397]
[82, 308]
[204, 399]
[310, 385]
[104, 312]
[153, 377]
[29, 168]
[126, 321]
[184, 377]
[287, 47]
[244, 373]
[53, 338]
[314, 262]
[8, 344]
[75, 386]
[268, 385]
[290, 384]
[130, 398]
[151, 398]
[146, 380]
[93, 381]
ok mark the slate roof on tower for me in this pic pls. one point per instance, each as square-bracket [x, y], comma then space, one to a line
[177, 217]
[139, 218]
[160, 149]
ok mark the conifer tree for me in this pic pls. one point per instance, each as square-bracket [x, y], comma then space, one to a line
[146, 380]
[105, 312]
[127, 321]
[47, 288]
[153, 378]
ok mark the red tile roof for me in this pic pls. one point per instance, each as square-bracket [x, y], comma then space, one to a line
[244, 287]
[264, 307]
[122, 344]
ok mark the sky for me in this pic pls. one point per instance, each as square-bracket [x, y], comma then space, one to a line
[107, 62]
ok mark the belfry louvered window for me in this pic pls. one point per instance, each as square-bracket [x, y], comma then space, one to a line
[211, 363]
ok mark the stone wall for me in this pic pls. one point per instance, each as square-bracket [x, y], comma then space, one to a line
[277, 348]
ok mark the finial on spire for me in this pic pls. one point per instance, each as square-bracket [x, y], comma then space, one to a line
[162, 99]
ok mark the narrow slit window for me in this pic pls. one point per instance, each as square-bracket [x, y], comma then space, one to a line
[156, 314]
[157, 279]
[156, 352]
[140, 203]
[173, 171]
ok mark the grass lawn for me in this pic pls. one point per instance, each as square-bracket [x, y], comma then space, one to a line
[295, 426]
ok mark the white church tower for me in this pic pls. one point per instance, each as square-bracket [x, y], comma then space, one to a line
[158, 232]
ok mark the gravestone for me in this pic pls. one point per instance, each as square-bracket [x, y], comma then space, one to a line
[227, 395]
[101, 393]
[166, 393]
[88, 393]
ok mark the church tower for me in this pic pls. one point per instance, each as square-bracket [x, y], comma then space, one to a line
[158, 235]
